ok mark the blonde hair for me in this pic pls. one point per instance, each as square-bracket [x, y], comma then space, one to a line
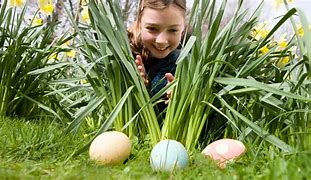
[134, 35]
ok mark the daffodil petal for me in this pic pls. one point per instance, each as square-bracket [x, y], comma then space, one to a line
[47, 9]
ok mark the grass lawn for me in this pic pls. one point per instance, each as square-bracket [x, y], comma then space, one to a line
[39, 150]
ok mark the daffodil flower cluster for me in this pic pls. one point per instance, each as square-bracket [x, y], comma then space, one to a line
[280, 44]
[45, 6]
[69, 54]
[260, 31]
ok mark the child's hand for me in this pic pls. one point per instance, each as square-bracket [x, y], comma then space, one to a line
[170, 78]
[141, 68]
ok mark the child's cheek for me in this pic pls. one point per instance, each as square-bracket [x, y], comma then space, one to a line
[147, 37]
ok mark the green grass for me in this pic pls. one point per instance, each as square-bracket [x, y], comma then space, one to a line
[38, 149]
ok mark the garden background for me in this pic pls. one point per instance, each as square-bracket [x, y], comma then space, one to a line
[67, 75]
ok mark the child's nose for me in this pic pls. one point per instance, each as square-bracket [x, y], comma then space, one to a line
[161, 38]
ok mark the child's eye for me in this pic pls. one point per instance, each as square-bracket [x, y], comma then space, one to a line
[173, 30]
[152, 29]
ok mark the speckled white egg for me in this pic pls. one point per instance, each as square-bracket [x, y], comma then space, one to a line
[110, 148]
[223, 150]
[168, 155]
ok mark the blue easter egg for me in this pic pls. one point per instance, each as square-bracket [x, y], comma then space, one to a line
[168, 155]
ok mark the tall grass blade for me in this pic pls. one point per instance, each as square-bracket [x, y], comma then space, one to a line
[255, 84]
[258, 130]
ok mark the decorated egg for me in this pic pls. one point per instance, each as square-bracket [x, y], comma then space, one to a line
[110, 148]
[168, 155]
[223, 150]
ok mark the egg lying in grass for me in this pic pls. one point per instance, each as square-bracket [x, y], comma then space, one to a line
[223, 150]
[110, 148]
[168, 155]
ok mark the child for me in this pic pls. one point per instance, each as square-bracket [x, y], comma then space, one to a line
[154, 38]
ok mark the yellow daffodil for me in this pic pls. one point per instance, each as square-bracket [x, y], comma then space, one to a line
[71, 53]
[46, 6]
[278, 3]
[84, 2]
[37, 22]
[44, 2]
[264, 50]
[85, 14]
[17, 3]
[53, 56]
[66, 44]
[83, 81]
[282, 42]
[300, 30]
[47, 9]
[282, 62]
[260, 31]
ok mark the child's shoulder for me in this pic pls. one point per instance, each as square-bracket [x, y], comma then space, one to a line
[174, 55]
[176, 52]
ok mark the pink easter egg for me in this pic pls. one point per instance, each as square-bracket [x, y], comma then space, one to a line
[223, 150]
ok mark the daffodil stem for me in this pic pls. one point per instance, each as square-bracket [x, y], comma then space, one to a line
[300, 44]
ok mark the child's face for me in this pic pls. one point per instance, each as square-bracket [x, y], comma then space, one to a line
[161, 30]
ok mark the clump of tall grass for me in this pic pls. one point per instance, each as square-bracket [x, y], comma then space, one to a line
[119, 96]
[226, 73]
[24, 48]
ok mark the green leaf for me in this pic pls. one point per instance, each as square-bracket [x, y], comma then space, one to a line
[255, 84]
[49, 68]
[80, 115]
[186, 50]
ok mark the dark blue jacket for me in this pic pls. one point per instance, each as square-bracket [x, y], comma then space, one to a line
[156, 69]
